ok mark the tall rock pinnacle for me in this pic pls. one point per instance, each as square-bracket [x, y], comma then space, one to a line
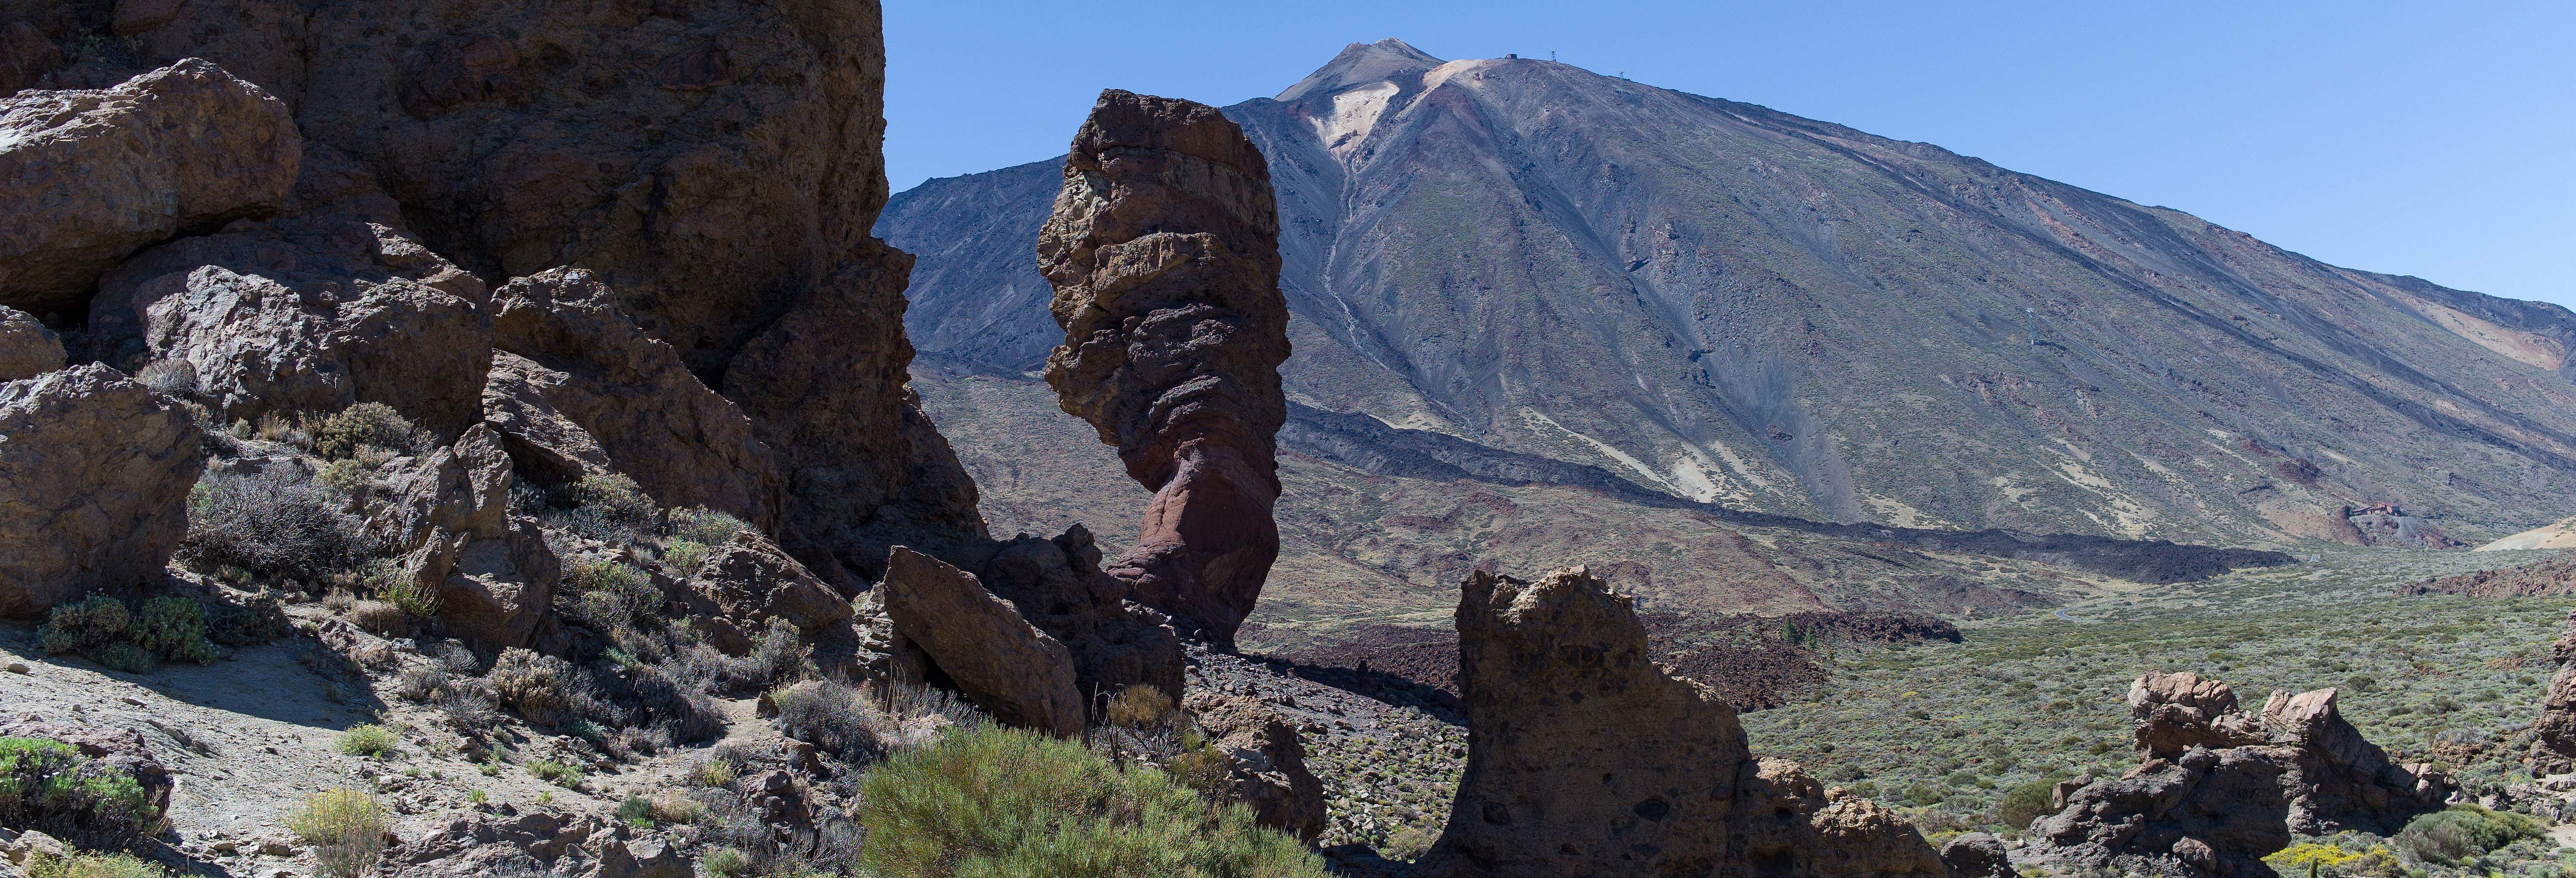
[1164, 253]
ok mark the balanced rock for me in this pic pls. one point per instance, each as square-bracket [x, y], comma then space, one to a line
[313, 312]
[630, 397]
[94, 477]
[89, 177]
[1164, 252]
[27, 348]
[747, 581]
[982, 643]
[1268, 762]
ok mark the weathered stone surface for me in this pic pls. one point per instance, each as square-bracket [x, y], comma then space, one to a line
[518, 401]
[88, 177]
[1792, 826]
[27, 348]
[448, 515]
[94, 478]
[982, 643]
[1582, 754]
[748, 581]
[717, 164]
[2217, 789]
[1977, 855]
[629, 394]
[1059, 587]
[309, 313]
[1164, 252]
[2553, 745]
[2170, 713]
[1269, 767]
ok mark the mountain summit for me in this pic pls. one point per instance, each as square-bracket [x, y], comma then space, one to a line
[1730, 304]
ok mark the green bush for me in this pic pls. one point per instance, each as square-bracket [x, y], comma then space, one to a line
[346, 829]
[88, 625]
[367, 424]
[127, 657]
[46, 785]
[560, 774]
[86, 865]
[615, 503]
[990, 800]
[174, 628]
[704, 526]
[368, 741]
[2026, 802]
[2463, 832]
[724, 863]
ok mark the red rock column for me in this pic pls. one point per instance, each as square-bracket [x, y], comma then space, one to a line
[1164, 253]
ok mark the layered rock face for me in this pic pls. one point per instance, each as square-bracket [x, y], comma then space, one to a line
[586, 386]
[724, 194]
[1586, 758]
[2553, 746]
[89, 177]
[2218, 789]
[94, 478]
[1164, 253]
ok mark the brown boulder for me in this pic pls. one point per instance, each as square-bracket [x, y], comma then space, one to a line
[449, 516]
[1269, 762]
[1583, 757]
[2170, 713]
[1977, 855]
[94, 477]
[748, 581]
[1059, 587]
[716, 163]
[2553, 745]
[1164, 252]
[88, 177]
[308, 313]
[27, 348]
[981, 643]
[629, 394]
[518, 401]
[1792, 826]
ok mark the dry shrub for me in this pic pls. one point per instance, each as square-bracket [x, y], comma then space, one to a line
[536, 686]
[380, 618]
[346, 829]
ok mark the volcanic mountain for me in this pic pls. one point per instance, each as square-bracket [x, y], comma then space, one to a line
[1727, 304]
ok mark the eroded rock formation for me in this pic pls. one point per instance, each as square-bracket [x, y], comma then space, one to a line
[980, 644]
[578, 360]
[94, 478]
[2553, 745]
[88, 177]
[1164, 253]
[1586, 758]
[492, 571]
[2217, 789]
[1269, 762]
[747, 581]
[27, 348]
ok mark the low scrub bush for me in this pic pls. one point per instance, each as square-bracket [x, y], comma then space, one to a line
[562, 774]
[174, 629]
[84, 626]
[366, 425]
[255, 621]
[705, 526]
[610, 507]
[990, 800]
[275, 525]
[2463, 832]
[369, 741]
[832, 716]
[2026, 802]
[88, 865]
[46, 785]
[537, 686]
[346, 829]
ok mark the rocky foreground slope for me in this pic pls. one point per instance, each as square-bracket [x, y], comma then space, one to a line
[1724, 303]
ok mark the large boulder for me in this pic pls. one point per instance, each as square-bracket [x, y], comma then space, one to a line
[1790, 823]
[94, 477]
[1059, 587]
[2553, 743]
[981, 643]
[89, 177]
[630, 397]
[1583, 757]
[1164, 252]
[449, 516]
[2211, 813]
[313, 312]
[717, 163]
[2171, 713]
[747, 581]
[1268, 762]
[27, 348]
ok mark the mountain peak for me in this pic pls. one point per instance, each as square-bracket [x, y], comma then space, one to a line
[1361, 63]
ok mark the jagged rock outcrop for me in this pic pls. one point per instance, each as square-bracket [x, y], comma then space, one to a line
[716, 164]
[628, 394]
[2218, 789]
[1269, 765]
[570, 845]
[89, 177]
[1164, 253]
[2553, 745]
[27, 348]
[1058, 585]
[492, 571]
[1586, 758]
[945, 619]
[747, 581]
[333, 305]
[94, 478]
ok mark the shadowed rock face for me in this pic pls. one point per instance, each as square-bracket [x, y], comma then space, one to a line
[2553, 746]
[94, 480]
[1164, 253]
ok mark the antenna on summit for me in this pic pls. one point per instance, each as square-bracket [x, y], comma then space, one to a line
[1551, 54]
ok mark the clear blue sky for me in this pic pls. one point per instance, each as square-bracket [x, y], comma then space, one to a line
[2436, 139]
